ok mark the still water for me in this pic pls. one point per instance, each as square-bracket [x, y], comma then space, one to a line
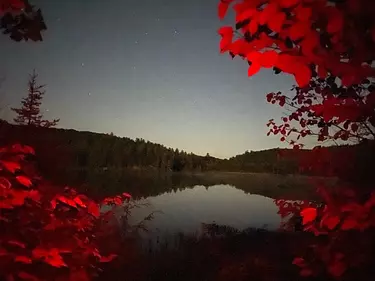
[184, 211]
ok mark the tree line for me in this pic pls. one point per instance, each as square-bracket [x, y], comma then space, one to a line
[63, 149]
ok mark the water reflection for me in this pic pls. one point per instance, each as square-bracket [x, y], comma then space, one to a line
[184, 211]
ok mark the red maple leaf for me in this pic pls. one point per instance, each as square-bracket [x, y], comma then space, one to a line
[17, 243]
[4, 183]
[67, 201]
[126, 195]
[23, 259]
[223, 8]
[330, 221]
[27, 276]
[108, 258]
[10, 166]
[309, 215]
[349, 223]
[253, 68]
[226, 33]
[93, 209]
[24, 181]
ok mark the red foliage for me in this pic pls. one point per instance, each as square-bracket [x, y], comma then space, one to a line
[306, 35]
[329, 48]
[11, 5]
[53, 229]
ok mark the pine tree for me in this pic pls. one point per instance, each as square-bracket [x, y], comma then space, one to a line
[29, 113]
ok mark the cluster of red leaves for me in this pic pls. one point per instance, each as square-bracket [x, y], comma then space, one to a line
[48, 233]
[329, 48]
[11, 5]
[343, 219]
[289, 211]
[328, 111]
[300, 37]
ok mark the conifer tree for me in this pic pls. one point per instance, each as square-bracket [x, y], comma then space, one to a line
[29, 114]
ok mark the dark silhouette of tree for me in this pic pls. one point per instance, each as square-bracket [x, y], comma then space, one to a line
[29, 114]
[21, 20]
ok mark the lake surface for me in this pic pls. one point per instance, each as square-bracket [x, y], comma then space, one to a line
[184, 211]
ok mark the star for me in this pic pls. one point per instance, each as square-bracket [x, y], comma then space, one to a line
[136, 42]
[82, 64]
[176, 32]
[146, 33]
[89, 93]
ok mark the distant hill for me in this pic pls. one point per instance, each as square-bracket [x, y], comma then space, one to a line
[61, 149]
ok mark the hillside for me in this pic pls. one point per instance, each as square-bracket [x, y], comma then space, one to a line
[58, 149]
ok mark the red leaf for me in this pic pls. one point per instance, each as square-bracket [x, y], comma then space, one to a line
[79, 275]
[93, 209]
[79, 202]
[55, 260]
[27, 276]
[4, 183]
[282, 101]
[331, 222]
[288, 3]
[348, 224]
[24, 181]
[253, 69]
[268, 13]
[298, 30]
[303, 13]
[336, 20]
[10, 166]
[269, 97]
[28, 150]
[322, 72]
[309, 215]
[337, 268]
[303, 75]
[25, 149]
[17, 243]
[127, 195]
[51, 256]
[23, 259]
[223, 8]
[108, 258]
[226, 32]
[299, 261]
[268, 59]
[306, 272]
[67, 201]
[3, 252]
[34, 195]
[277, 22]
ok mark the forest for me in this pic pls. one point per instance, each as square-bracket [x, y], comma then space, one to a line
[93, 151]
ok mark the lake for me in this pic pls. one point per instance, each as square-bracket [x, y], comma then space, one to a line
[184, 211]
[183, 202]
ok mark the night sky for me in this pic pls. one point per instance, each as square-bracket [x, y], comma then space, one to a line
[149, 69]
